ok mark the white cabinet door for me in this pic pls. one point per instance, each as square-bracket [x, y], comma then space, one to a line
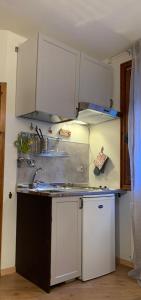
[26, 77]
[95, 81]
[57, 78]
[98, 236]
[66, 239]
[47, 78]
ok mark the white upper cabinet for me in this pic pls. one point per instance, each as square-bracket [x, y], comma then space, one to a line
[47, 78]
[95, 81]
[52, 79]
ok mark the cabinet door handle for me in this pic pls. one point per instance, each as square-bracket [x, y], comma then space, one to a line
[100, 206]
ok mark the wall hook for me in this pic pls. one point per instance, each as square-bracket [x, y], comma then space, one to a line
[31, 126]
[102, 149]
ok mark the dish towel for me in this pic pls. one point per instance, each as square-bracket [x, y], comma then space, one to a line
[100, 163]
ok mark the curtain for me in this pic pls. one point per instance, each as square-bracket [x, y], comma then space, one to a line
[134, 144]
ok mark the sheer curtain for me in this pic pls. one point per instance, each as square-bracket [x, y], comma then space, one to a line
[134, 143]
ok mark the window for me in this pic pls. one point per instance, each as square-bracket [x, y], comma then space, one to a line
[125, 75]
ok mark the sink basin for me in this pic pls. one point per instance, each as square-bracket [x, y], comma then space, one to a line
[58, 189]
[45, 189]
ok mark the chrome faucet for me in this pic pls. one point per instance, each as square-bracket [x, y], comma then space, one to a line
[33, 183]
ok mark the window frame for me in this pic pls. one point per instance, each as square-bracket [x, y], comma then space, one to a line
[125, 182]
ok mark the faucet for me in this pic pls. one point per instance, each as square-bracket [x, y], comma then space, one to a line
[33, 183]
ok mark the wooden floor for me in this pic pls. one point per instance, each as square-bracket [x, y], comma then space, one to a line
[116, 286]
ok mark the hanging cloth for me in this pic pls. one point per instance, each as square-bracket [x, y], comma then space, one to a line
[100, 162]
[134, 144]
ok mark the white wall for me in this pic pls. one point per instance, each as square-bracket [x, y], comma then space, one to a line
[108, 135]
[8, 61]
[8, 74]
[124, 242]
[124, 232]
[3, 54]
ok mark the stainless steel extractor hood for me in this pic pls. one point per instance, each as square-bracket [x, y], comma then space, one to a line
[91, 113]
[88, 113]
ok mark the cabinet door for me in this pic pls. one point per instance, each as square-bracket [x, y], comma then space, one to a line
[98, 236]
[26, 77]
[66, 239]
[57, 78]
[95, 81]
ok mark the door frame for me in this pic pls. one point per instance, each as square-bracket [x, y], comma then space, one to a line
[3, 88]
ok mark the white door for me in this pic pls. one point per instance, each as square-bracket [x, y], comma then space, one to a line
[57, 78]
[66, 239]
[98, 236]
[95, 81]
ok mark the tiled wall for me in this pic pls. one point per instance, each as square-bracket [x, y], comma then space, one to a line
[71, 169]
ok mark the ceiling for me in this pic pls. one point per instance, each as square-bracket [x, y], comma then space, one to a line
[102, 28]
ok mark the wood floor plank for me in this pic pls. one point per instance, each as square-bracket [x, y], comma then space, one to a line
[115, 286]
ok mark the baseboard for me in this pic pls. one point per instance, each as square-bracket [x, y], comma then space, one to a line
[124, 262]
[7, 271]
[119, 261]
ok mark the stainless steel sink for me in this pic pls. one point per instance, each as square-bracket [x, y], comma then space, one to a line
[45, 189]
[55, 189]
[52, 188]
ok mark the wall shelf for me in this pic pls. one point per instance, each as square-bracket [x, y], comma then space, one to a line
[46, 147]
[52, 154]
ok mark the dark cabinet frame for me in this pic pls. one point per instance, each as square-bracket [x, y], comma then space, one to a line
[125, 74]
[33, 242]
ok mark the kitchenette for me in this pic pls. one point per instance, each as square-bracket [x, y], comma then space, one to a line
[65, 210]
[65, 233]
[63, 223]
[68, 164]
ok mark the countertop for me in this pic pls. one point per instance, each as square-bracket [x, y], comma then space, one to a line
[70, 192]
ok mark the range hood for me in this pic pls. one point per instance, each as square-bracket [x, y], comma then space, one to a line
[91, 113]
[88, 113]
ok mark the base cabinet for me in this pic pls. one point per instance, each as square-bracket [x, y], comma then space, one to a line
[48, 244]
[66, 239]
[33, 240]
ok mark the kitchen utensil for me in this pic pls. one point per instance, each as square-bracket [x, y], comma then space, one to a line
[44, 142]
[36, 129]
[41, 133]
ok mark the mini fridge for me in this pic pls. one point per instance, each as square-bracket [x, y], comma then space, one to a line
[98, 236]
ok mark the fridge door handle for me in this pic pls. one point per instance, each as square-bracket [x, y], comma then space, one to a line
[81, 203]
